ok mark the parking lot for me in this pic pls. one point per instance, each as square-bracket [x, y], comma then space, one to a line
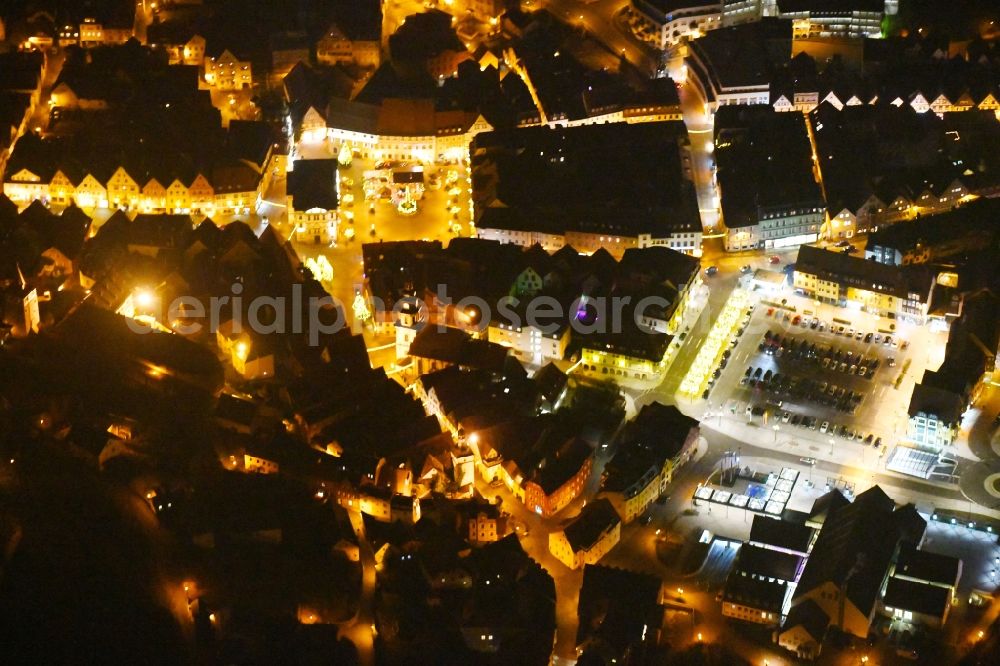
[816, 372]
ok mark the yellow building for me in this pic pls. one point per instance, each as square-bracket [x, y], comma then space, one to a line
[589, 537]
[227, 72]
[841, 279]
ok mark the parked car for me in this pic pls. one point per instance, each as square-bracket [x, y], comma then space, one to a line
[823, 428]
[711, 270]
[745, 268]
[774, 259]
[868, 338]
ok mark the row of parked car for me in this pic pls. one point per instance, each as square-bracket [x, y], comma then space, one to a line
[832, 358]
[824, 427]
[803, 388]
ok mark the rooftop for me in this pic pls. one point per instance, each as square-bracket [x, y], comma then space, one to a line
[854, 549]
[916, 597]
[597, 518]
[313, 184]
[457, 347]
[755, 592]
[764, 163]
[780, 534]
[618, 179]
[617, 606]
[864, 274]
[767, 563]
[742, 56]
[810, 617]
[928, 567]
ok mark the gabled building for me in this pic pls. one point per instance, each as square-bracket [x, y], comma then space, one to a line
[225, 71]
[842, 279]
[852, 559]
[651, 448]
[768, 187]
[313, 188]
[620, 614]
[589, 537]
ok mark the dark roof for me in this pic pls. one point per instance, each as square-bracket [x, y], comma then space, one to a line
[755, 592]
[780, 534]
[764, 162]
[598, 517]
[237, 410]
[862, 273]
[927, 567]
[550, 381]
[162, 231]
[767, 563]
[313, 184]
[974, 218]
[742, 55]
[972, 344]
[810, 617]
[617, 178]
[617, 606]
[455, 346]
[559, 466]
[943, 404]
[854, 550]
[916, 597]
[656, 435]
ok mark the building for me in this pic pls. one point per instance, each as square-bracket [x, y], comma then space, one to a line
[779, 535]
[961, 230]
[842, 279]
[916, 603]
[234, 166]
[935, 417]
[734, 65]
[559, 477]
[540, 459]
[435, 349]
[916, 164]
[395, 130]
[767, 180]
[758, 585]
[313, 190]
[484, 523]
[620, 614]
[93, 32]
[671, 21]
[182, 43]
[752, 599]
[851, 561]
[804, 630]
[589, 537]
[521, 195]
[225, 71]
[940, 398]
[651, 448]
[336, 47]
[825, 18]
[922, 587]
[529, 343]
